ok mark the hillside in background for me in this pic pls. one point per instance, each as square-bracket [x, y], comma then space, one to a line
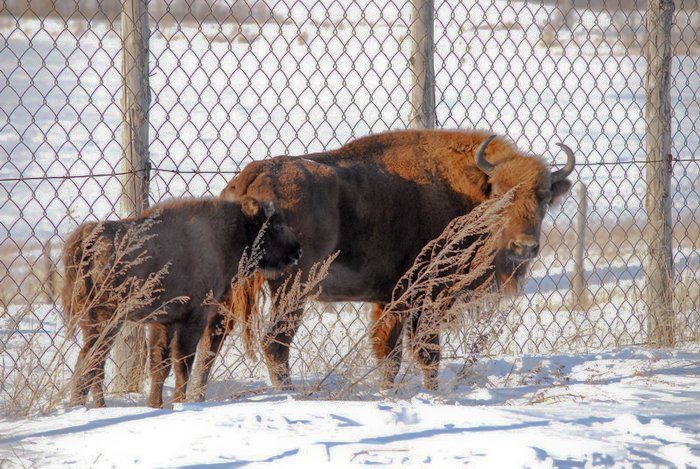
[180, 11]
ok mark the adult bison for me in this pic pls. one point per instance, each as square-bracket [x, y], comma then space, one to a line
[116, 271]
[378, 200]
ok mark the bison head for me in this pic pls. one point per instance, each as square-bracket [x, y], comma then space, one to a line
[537, 188]
[280, 247]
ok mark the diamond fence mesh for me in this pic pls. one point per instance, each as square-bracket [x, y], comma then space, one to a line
[231, 82]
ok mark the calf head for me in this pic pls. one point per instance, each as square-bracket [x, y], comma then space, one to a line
[280, 246]
[537, 188]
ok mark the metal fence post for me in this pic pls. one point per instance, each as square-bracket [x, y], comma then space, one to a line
[659, 260]
[579, 292]
[421, 63]
[130, 350]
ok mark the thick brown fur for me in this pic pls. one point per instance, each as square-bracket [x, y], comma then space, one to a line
[74, 290]
[244, 299]
[379, 199]
[196, 246]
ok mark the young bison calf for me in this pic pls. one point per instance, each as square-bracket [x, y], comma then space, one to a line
[183, 253]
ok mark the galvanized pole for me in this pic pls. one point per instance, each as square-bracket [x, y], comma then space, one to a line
[421, 64]
[130, 347]
[658, 263]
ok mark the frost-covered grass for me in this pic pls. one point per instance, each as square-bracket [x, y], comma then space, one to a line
[618, 408]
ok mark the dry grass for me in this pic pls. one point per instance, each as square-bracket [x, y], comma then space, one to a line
[249, 316]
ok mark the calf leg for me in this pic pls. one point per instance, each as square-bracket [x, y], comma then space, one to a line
[184, 347]
[425, 343]
[98, 338]
[386, 343]
[215, 332]
[276, 344]
[160, 362]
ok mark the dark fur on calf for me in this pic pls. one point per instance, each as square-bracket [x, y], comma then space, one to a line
[189, 251]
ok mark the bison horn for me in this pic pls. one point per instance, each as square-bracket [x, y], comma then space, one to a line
[561, 174]
[480, 156]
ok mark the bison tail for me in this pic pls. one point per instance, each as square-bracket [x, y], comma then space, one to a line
[245, 295]
[77, 284]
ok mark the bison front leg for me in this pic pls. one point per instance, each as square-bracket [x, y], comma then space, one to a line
[160, 362]
[386, 342]
[216, 330]
[276, 344]
[425, 343]
[184, 348]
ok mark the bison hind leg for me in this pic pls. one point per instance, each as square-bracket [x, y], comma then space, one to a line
[89, 373]
[425, 343]
[387, 334]
[159, 357]
[184, 347]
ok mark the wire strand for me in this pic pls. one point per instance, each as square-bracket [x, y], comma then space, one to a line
[197, 171]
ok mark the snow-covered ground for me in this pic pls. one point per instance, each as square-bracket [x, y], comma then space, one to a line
[621, 408]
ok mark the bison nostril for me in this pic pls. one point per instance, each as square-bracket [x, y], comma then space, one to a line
[296, 255]
[524, 247]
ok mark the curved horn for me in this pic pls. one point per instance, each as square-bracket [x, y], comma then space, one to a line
[561, 174]
[480, 156]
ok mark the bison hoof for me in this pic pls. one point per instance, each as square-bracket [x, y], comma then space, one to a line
[155, 403]
[77, 401]
[430, 382]
[386, 385]
[281, 381]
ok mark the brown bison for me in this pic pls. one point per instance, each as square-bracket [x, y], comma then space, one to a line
[200, 243]
[378, 200]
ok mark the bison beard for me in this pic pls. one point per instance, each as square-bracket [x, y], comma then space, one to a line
[378, 200]
[161, 268]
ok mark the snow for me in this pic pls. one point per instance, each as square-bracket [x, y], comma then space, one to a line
[621, 408]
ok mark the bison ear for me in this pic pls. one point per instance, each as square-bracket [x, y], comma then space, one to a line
[250, 207]
[559, 189]
[479, 179]
[268, 208]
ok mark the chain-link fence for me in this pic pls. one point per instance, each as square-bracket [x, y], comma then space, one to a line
[231, 82]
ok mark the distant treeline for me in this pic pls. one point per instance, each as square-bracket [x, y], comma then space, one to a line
[613, 5]
[161, 11]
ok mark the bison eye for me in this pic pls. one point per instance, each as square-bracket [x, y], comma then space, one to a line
[546, 196]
